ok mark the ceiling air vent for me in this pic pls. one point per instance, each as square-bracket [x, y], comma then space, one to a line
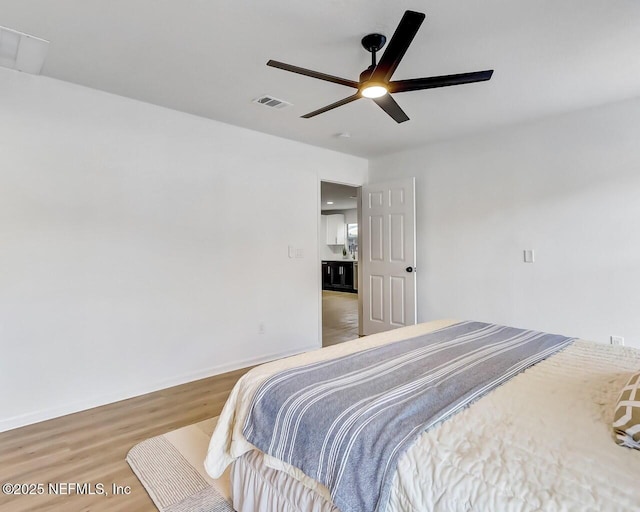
[270, 101]
[22, 51]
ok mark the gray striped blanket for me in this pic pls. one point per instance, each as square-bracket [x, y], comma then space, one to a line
[345, 422]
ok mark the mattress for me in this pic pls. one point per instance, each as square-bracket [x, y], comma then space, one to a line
[542, 441]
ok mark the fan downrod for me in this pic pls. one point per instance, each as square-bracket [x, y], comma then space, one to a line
[372, 43]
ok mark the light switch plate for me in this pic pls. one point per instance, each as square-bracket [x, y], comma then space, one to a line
[617, 340]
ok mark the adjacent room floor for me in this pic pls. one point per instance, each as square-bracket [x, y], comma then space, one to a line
[339, 317]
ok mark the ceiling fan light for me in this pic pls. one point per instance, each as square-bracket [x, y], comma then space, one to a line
[374, 91]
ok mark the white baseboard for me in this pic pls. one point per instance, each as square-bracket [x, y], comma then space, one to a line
[62, 410]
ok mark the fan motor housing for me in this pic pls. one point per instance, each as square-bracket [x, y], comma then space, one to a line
[366, 74]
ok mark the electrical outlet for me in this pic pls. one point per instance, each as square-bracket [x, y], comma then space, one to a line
[617, 340]
[299, 253]
[529, 256]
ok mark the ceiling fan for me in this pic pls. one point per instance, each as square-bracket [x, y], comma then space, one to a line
[375, 81]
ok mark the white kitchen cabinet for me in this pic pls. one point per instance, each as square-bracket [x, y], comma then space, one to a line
[335, 229]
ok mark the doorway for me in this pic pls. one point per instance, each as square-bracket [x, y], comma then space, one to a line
[338, 247]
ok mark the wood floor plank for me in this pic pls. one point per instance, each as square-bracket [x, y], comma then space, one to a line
[91, 446]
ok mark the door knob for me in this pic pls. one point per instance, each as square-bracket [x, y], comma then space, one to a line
[410, 269]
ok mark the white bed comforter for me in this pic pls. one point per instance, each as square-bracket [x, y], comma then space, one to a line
[542, 441]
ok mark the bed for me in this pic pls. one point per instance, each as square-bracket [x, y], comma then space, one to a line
[541, 440]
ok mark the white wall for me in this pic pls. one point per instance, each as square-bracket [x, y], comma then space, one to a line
[350, 216]
[142, 247]
[567, 187]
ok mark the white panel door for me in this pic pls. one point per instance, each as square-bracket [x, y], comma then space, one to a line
[388, 255]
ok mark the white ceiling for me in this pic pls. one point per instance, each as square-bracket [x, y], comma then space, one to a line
[208, 58]
[343, 197]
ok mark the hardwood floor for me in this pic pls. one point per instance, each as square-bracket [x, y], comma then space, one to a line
[339, 317]
[91, 446]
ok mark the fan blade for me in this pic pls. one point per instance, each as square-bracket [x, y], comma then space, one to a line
[332, 106]
[389, 105]
[402, 37]
[416, 84]
[312, 74]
